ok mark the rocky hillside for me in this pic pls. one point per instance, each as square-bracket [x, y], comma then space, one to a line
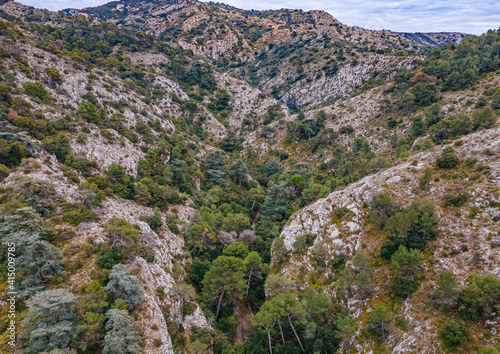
[286, 53]
[467, 237]
[191, 177]
[436, 39]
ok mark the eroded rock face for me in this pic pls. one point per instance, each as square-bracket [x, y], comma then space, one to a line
[152, 277]
[96, 148]
[247, 101]
[155, 276]
[344, 82]
[465, 238]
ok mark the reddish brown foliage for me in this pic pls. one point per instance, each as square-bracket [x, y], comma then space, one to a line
[420, 76]
[11, 115]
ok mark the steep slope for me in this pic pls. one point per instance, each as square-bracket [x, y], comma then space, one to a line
[464, 245]
[87, 236]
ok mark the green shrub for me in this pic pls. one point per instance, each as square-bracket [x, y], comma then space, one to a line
[24, 123]
[157, 343]
[403, 288]
[77, 214]
[401, 323]
[120, 181]
[109, 258]
[455, 200]
[382, 209]
[454, 335]
[303, 242]
[11, 153]
[36, 90]
[346, 130]
[53, 75]
[160, 292]
[448, 159]
[445, 295]
[406, 266]
[4, 171]
[480, 297]
[485, 118]
[390, 247]
[174, 228]
[59, 146]
[87, 112]
[147, 253]
[188, 308]
[412, 227]
[154, 221]
[5, 95]
[425, 179]
[37, 194]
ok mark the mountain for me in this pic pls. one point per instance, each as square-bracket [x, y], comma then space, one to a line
[436, 39]
[180, 176]
[284, 50]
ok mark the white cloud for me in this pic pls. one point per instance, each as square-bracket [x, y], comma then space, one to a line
[474, 17]
[55, 5]
[466, 16]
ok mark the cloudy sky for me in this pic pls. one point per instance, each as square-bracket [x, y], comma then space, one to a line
[468, 16]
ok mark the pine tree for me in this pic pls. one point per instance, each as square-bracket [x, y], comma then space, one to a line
[214, 169]
[380, 321]
[406, 265]
[254, 265]
[294, 312]
[454, 335]
[267, 316]
[239, 172]
[418, 126]
[345, 329]
[446, 294]
[51, 321]
[272, 167]
[275, 207]
[448, 159]
[38, 259]
[124, 286]
[382, 208]
[481, 296]
[485, 118]
[91, 331]
[94, 298]
[362, 276]
[257, 195]
[317, 305]
[224, 280]
[121, 336]
[279, 250]
[236, 249]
